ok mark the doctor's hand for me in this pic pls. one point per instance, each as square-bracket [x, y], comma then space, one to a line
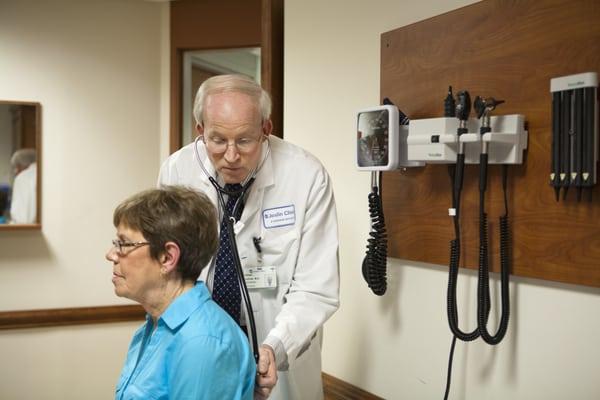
[266, 373]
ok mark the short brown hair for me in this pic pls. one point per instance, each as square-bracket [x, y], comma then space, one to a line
[174, 214]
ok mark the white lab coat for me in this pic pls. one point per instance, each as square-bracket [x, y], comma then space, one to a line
[302, 247]
[23, 204]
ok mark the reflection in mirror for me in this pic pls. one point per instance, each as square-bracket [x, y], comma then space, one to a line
[199, 65]
[19, 156]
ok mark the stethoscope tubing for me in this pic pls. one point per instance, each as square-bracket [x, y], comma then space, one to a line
[246, 185]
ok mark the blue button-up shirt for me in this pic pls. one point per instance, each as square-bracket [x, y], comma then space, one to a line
[196, 352]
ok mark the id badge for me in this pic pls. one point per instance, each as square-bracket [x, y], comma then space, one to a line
[262, 277]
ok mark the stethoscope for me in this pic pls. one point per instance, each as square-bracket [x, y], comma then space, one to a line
[231, 221]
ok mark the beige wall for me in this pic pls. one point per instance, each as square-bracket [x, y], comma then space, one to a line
[98, 69]
[397, 346]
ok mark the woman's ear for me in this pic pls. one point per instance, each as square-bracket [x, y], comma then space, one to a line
[170, 257]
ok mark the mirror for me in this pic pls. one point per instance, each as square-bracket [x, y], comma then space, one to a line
[199, 65]
[20, 157]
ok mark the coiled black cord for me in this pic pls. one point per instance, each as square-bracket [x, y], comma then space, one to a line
[455, 257]
[483, 286]
[483, 290]
[374, 265]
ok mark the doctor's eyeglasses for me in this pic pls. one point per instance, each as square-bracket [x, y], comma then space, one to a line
[243, 145]
[121, 245]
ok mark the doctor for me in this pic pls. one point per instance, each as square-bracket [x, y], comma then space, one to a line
[286, 235]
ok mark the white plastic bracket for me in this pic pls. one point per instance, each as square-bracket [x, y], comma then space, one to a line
[434, 140]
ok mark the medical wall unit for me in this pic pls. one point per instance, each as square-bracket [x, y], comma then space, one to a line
[380, 146]
[435, 140]
[499, 142]
[473, 49]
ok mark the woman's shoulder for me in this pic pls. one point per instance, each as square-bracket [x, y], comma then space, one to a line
[211, 325]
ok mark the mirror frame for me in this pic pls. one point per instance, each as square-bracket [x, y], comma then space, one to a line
[38, 141]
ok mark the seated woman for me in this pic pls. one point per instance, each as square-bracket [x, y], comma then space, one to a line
[189, 348]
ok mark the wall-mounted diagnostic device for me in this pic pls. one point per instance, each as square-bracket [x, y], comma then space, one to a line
[380, 146]
[381, 139]
[377, 138]
[386, 141]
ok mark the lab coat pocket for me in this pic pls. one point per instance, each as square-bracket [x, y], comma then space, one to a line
[255, 299]
[280, 249]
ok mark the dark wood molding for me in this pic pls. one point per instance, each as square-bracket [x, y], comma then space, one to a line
[272, 59]
[69, 316]
[206, 25]
[333, 388]
[211, 25]
[337, 389]
[21, 227]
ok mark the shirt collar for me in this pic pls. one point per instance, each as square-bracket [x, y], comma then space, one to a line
[184, 305]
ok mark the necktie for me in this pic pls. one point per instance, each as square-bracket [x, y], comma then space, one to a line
[226, 288]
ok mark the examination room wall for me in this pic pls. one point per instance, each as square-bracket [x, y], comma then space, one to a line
[397, 346]
[98, 70]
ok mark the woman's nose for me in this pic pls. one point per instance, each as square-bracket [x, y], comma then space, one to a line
[111, 255]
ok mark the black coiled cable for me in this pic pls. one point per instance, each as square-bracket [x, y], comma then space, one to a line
[483, 286]
[455, 257]
[483, 290]
[374, 265]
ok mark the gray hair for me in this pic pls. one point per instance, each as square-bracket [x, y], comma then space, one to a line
[232, 83]
[22, 158]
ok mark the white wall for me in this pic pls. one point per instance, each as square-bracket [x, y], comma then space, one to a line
[98, 70]
[397, 346]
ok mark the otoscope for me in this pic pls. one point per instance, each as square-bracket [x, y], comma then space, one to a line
[463, 108]
[484, 106]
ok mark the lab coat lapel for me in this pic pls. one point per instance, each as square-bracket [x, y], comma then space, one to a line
[206, 187]
[264, 179]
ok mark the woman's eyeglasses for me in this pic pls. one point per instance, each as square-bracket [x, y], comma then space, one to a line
[121, 245]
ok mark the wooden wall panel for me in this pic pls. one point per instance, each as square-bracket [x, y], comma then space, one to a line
[508, 50]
